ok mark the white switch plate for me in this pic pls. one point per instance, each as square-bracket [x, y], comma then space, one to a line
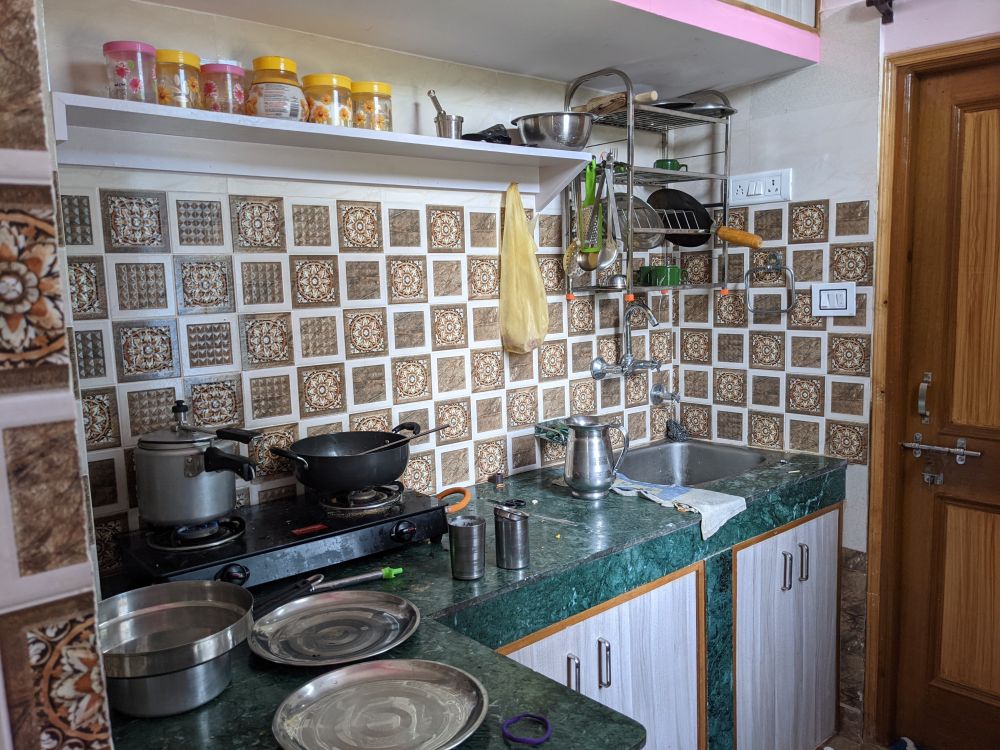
[835, 300]
[760, 187]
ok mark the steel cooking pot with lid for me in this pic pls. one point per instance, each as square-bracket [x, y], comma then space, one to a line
[186, 476]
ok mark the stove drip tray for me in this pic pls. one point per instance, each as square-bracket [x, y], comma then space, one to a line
[203, 536]
[382, 500]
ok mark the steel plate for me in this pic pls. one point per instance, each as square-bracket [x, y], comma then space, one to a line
[335, 627]
[391, 704]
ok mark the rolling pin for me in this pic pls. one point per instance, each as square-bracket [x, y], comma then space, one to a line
[738, 237]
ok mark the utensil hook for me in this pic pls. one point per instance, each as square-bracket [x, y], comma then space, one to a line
[772, 265]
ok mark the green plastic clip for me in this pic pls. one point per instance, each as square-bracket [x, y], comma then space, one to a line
[389, 573]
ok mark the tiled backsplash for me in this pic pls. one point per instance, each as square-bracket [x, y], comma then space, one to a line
[301, 309]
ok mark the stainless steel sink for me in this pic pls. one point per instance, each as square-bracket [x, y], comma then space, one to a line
[692, 463]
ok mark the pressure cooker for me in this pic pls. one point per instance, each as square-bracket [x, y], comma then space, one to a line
[186, 476]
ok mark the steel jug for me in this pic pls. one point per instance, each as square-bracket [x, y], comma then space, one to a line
[590, 464]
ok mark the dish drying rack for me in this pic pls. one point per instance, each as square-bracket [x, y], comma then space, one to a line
[633, 117]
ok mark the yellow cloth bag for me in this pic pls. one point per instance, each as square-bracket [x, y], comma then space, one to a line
[524, 311]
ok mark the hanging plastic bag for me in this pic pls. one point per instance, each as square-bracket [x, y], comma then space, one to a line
[524, 311]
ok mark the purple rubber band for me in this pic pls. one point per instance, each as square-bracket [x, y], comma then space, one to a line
[508, 723]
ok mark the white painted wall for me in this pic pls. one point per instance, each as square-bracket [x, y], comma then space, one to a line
[923, 23]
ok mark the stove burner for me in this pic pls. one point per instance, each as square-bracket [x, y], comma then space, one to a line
[203, 536]
[370, 500]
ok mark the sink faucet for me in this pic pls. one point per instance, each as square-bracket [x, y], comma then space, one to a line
[600, 368]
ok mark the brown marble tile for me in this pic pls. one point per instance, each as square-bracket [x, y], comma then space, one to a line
[695, 383]
[852, 218]
[765, 307]
[737, 265]
[22, 122]
[524, 452]
[409, 329]
[768, 223]
[455, 467]
[765, 390]
[483, 228]
[485, 323]
[729, 347]
[807, 351]
[729, 425]
[43, 473]
[557, 317]
[102, 483]
[847, 398]
[489, 414]
[447, 275]
[582, 356]
[521, 366]
[369, 384]
[364, 279]
[695, 308]
[421, 416]
[451, 374]
[550, 230]
[611, 392]
[803, 435]
[638, 427]
[807, 265]
[859, 319]
[404, 227]
[553, 403]
[609, 313]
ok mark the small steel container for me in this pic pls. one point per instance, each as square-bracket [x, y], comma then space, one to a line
[467, 547]
[511, 528]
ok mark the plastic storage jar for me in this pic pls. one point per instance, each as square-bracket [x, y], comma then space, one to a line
[178, 78]
[276, 91]
[372, 105]
[131, 70]
[329, 97]
[222, 87]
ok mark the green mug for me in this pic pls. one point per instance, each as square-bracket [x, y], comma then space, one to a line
[672, 164]
[660, 275]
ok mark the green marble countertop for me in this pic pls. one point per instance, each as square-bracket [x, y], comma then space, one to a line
[582, 553]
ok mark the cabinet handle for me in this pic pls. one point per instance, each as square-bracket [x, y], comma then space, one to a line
[786, 577]
[573, 672]
[603, 663]
[803, 561]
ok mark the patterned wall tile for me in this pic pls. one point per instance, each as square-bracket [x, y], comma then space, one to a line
[805, 394]
[729, 425]
[853, 262]
[107, 529]
[552, 360]
[729, 387]
[553, 275]
[359, 225]
[404, 227]
[314, 280]
[738, 219]
[409, 329]
[695, 383]
[199, 223]
[553, 454]
[847, 397]
[368, 384]
[149, 410]
[807, 265]
[847, 440]
[483, 228]
[637, 389]
[487, 370]
[311, 226]
[859, 319]
[767, 350]
[77, 225]
[697, 420]
[215, 400]
[90, 358]
[266, 340]
[318, 336]
[849, 354]
[146, 349]
[457, 415]
[484, 277]
[270, 396]
[445, 229]
[379, 420]
[258, 223]
[135, 221]
[204, 284]
[447, 276]
[550, 232]
[87, 287]
[696, 346]
[807, 351]
[852, 218]
[765, 390]
[263, 283]
[803, 435]
[411, 379]
[209, 344]
[450, 373]
[449, 324]
[141, 286]
[268, 464]
[661, 346]
[322, 390]
[697, 267]
[490, 457]
[581, 316]
[407, 277]
[522, 407]
[768, 223]
[695, 308]
[101, 428]
[730, 310]
[419, 473]
[489, 414]
[365, 333]
[102, 483]
[364, 280]
[761, 259]
[582, 396]
[801, 318]
[767, 430]
[808, 221]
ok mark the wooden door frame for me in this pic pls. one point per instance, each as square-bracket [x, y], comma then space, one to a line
[890, 403]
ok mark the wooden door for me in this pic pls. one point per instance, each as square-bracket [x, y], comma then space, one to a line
[948, 666]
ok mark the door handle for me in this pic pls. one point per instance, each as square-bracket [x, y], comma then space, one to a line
[922, 411]
[603, 663]
[573, 672]
[803, 561]
[786, 577]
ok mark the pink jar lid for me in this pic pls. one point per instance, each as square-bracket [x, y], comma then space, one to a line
[233, 70]
[125, 46]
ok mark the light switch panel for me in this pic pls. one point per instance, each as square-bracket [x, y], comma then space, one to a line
[834, 299]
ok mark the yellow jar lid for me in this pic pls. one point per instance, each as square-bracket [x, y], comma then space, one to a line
[178, 57]
[273, 62]
[371, 87]
[326, 79]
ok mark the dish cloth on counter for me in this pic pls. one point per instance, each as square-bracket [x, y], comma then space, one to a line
[715, 507]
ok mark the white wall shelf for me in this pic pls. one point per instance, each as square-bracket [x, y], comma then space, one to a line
[101, 132]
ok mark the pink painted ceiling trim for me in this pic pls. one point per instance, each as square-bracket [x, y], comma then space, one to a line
[736, 22]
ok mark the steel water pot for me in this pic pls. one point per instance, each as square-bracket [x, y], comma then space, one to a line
[590, 464]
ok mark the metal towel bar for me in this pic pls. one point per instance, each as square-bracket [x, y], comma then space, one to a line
[773, 265]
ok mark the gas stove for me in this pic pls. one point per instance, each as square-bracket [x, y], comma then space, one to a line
[283, 538]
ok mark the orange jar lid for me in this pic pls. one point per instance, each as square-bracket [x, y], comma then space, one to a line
[274, 62]
[178, 57]
[326, 79]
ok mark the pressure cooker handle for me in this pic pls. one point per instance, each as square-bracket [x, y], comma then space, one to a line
[217, 460]
[409, 426]
[237, 434]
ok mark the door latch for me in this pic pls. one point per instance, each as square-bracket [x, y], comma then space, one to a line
[960, 452]
[922, 410]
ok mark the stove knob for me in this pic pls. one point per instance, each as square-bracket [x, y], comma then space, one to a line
[404, 531]
[234, 573]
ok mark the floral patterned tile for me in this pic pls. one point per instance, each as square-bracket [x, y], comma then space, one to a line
[738, 219]
[404, 227]
[697, 267]
[407, 275]
[696, 346]
[552, 360]
[270, 466]
[445, 229]
[263, 282]
[522, 407]
[849, 354]
[583, 396]
[365, 332]
[204, 284]
[419, 473]
[449, 324]
[490, 458]
[808, 221]
[760, 259]
[311, 226]
[411, 379]
[483, 227]
[314, 280]
[581, 315]
[767, 430]
[146, 349]
[852, 218]
[697, 420]
[854, 262]
[457, 415]
[730, 310]
[258, 223]
[847, 440]
[101, 428]
[270, 396]
[33, 349]
[319, 336]
[553, 454]
[805, 394]
[801, 318]
[553, 275]
[215, 400]
[487, 370]
[637, 389]
[107, 529]
[359, 224]
[484, 277]
[730, 387]
[135, 221]
[266, 340]
[767, 350]
[322, 390]
[77, 225]
[199, 223]
[661, 346]
[87, 288]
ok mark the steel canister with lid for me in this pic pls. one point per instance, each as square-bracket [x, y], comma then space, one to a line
[511, 529]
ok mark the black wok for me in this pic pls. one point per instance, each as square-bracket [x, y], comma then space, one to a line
[330, 463]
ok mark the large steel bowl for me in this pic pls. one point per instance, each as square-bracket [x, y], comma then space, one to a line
[166, 647]
[568, 131]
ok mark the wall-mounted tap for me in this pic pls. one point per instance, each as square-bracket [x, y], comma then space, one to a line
[600, 368]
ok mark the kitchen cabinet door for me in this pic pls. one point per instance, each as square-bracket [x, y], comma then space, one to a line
[563, 656]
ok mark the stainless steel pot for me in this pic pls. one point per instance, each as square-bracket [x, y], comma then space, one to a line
[166, 647]
[187, 476]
